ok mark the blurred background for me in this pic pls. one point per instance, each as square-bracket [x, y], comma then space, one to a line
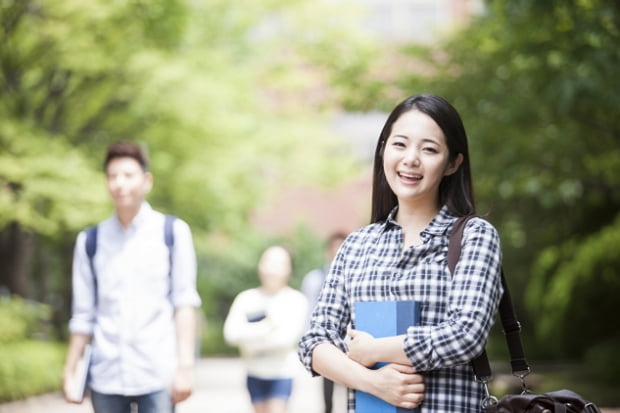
[261, 119]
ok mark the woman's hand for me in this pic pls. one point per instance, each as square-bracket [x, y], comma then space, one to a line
[398, 385]
[361, 348]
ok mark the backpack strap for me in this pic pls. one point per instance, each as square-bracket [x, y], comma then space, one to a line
[169, 239]
[91, 249]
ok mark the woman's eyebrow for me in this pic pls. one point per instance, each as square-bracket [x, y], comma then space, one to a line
[424, 140]
[431, 140]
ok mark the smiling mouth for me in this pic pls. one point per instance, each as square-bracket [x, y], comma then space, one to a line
[410, 177]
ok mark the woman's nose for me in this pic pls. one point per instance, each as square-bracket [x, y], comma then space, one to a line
[412, 158]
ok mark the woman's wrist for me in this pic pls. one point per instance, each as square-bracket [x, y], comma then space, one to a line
[365, 380]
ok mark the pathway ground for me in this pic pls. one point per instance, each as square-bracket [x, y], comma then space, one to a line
[220, 388]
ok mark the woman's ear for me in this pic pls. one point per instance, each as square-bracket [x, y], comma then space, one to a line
[454, 165]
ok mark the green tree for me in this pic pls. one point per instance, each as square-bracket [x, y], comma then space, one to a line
[226, 112]
[536, 83]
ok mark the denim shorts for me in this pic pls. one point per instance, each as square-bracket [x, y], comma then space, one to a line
[156, 402]
[264, 389]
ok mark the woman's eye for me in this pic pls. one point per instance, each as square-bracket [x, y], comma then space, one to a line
[430, 149]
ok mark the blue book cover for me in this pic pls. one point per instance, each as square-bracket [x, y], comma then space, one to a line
[383, 319]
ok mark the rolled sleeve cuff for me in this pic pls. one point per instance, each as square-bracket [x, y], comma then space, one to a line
[419, 349]
[78, 326]
[307, 344]
[187, 299]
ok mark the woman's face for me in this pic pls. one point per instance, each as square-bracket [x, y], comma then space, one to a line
[416, 158]
[274, 268]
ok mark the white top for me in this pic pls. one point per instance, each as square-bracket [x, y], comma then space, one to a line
[268, 347]
[132, 316]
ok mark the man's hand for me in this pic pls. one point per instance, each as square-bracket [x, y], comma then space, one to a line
[67, 385]
[183, 384]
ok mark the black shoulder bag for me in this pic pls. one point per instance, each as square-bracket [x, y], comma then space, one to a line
[561, 401]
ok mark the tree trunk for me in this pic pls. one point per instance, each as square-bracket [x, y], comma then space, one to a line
[16, 253]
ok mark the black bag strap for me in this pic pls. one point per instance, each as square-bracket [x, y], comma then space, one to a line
[510, 323]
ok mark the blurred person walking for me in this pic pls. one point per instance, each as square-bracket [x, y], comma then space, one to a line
[265, 323]
[134, 298]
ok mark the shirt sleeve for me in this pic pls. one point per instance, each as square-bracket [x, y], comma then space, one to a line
[83, 290]
[183, 274]
[238, 330]
[331, 315]
[287, 319]
[472, 300]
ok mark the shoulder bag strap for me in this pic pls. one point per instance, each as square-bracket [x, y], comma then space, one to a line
[510, 324]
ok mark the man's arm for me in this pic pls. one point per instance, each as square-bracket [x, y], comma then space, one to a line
[186, 322]
[77, 342]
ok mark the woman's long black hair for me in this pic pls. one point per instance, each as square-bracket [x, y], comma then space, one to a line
[455, 190]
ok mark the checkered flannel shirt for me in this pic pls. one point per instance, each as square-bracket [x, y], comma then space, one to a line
[457, 310]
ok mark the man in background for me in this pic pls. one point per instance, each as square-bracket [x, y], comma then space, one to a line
[134, 298]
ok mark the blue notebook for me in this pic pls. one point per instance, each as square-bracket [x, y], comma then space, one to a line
[383, 319]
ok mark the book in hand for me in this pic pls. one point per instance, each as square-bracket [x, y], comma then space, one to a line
[383, 319]
[80, 376]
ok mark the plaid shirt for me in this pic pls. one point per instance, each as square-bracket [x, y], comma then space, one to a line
[457, 311]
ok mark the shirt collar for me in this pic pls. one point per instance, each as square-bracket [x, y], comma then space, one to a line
[439, 225]
[139, 219]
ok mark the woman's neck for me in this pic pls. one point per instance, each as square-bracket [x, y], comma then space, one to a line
[413, 220]
[271, 290]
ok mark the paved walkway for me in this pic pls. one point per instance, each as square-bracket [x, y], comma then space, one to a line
[220, 388]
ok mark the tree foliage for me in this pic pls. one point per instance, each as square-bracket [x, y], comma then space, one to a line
[536, 83]
[226, 110]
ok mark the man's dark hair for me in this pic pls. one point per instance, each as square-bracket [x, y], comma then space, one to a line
[125, 149]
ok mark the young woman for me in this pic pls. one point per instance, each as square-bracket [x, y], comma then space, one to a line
[421, 185]
[265, 323]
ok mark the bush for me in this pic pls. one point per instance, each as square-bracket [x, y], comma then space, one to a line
[29, 367]
[21, 319]
[603, 360]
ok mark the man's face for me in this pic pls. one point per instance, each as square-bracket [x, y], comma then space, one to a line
[127, 183]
